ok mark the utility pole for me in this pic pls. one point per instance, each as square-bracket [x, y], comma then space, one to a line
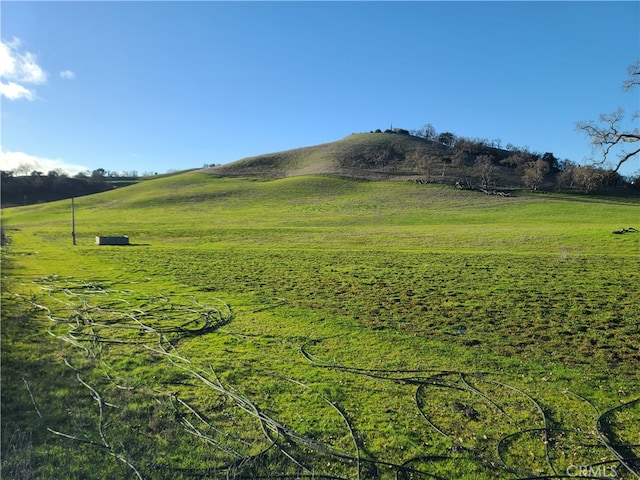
[73, 221]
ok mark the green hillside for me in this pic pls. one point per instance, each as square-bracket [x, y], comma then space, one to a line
[196, 205]
[321, 326]
[374, 156]
[447, 159]
[353, 154]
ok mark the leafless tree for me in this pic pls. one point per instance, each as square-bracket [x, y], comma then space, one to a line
[485, 166]
[564, 178]
[519, 159]
[589, 178]
[634, 76]
[459, 157]
[23, 169]
[610, 136]
[423, 162]
[427, 132]
[534, 173]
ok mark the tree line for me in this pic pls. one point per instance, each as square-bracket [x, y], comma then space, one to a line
[36, 187]
[486, 161]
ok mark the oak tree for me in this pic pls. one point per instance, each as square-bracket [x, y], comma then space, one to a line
[610, 136]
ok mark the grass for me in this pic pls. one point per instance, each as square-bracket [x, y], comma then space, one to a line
[320, 326]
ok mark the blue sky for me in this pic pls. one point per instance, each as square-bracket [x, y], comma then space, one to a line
[158, 86]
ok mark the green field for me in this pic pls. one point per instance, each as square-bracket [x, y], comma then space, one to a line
[319, 327]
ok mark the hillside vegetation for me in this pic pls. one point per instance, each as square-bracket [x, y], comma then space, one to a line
[391, 155]
[321, 326]
[445, 159]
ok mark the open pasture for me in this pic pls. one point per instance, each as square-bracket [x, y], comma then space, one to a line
[317, 327]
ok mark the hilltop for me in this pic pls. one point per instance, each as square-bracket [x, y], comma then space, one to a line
[372, 156]
[445, 159]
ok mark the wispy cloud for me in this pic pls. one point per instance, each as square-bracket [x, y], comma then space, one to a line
[68, 74]
[17, 68]
[13, 91]
[23, 163]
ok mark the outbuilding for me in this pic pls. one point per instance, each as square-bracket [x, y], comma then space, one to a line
[121, 240]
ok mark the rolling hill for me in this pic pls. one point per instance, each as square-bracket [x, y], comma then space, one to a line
[375, 156]
[393, 155]
[318, 326]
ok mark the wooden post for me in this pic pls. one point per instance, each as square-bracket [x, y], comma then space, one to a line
[73, 221]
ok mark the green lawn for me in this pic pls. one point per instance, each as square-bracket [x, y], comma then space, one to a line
[321, 327]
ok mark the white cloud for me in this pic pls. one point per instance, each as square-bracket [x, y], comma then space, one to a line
[18, 67]
[13, 91]
[26, 163]
[68, 74]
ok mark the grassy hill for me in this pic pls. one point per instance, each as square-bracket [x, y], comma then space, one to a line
[373, 156]
[198, 204]
[320, 326]
[450, 160]
[359, 155]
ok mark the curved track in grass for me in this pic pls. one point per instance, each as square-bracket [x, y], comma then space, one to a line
[485, 422]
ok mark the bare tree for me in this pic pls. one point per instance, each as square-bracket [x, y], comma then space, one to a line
[609, 135]
[534, 173]
[485, 166]
[427, 132]
[423, 162]
[23, 169]
[634, 76]
[589, 178]
[565, 178]
[518, 159]
[459, 157]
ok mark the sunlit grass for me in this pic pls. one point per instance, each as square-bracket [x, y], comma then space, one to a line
[375, 329]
